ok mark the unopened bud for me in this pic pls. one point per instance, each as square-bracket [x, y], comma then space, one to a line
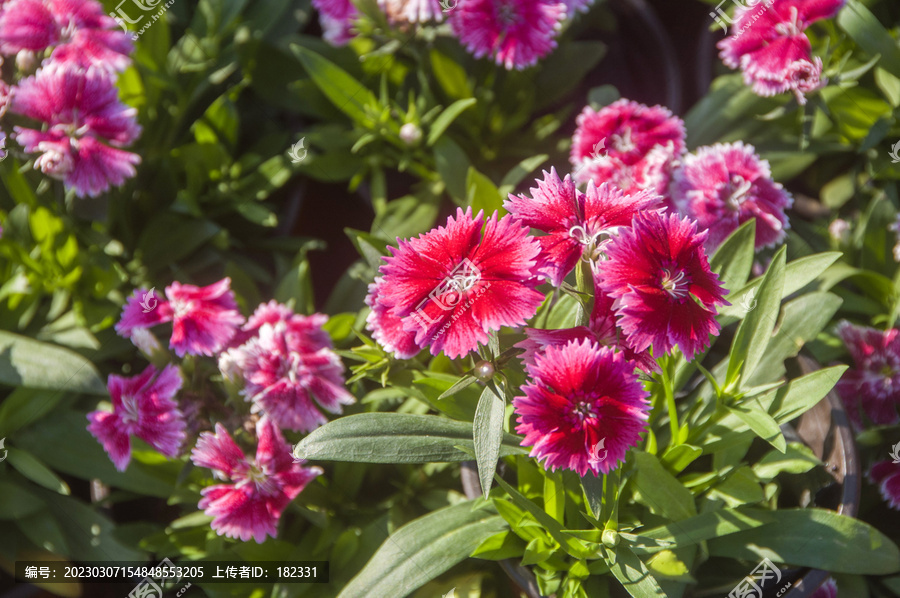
[484, 371]
[410, 133]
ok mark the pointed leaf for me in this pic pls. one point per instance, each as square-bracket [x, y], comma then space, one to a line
[422, 550]
[394, 438]
[487, 435]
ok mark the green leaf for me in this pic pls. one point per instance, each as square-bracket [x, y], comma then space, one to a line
[394, 438]
[760, 422]
[453, 166]
[156, 246]
[451, 76]
[87, 533]
[349, 95]
[798, 458]
[446, 119]
[518, 173]
[23, 406]
[30, 363]
[863, 27]
[691, 531]
[797, 275]
[740, 488]
[569, 543]
[755, 330]
[16, 501]
[733, 260]
[459, 385]
[423, 549]
[36, 471]
[659, 489]
[483, 194]
[816, 538]
[43, 530]
[487, 434]
[633, 574]
[502, 545]
[667, 565]
[802, 320]
[678, 457]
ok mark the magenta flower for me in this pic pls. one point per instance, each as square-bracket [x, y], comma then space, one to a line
[455, 284]
[204, 319]
[309, 328]
[886, 475]
[723, 186]
[601, 329]
[583, 408]
[412, 11]
[515, 32]
[261, 488]
[287, 373]
[873, 385]
[337, 18]
[81, 109]
[828, 589]
[386, 328]
[143, 406]
[577, 224]
[628, 144]
[771, 48]
[664, 291]
[78, 31]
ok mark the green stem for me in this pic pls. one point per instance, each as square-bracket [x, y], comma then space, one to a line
[669, 391]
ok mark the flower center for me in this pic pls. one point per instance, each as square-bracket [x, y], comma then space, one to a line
[792, 27]
[675, 284]
[592, 238]
[507, 15]
[181, 308]
[623, 143]
[737, 189]
[583, 410]
[130, 413]
[260, 478]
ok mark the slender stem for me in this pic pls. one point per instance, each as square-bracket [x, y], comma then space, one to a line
[669, 391]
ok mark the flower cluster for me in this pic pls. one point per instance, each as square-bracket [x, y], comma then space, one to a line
[653, 291]
[72, 97]
[770, 46]
[515, 33]
[872, 387]
[287, 366]
[636, 147]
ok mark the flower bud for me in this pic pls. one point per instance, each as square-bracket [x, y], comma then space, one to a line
[410, 133]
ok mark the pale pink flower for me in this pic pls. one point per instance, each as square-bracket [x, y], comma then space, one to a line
[771, 48]
[143, 406]
[289, 371]
[261, 488]
[628, 144]
[515, 32]
[78, 31]
[204, 319]
[82, 112]
[412, 11]
[724, 185]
